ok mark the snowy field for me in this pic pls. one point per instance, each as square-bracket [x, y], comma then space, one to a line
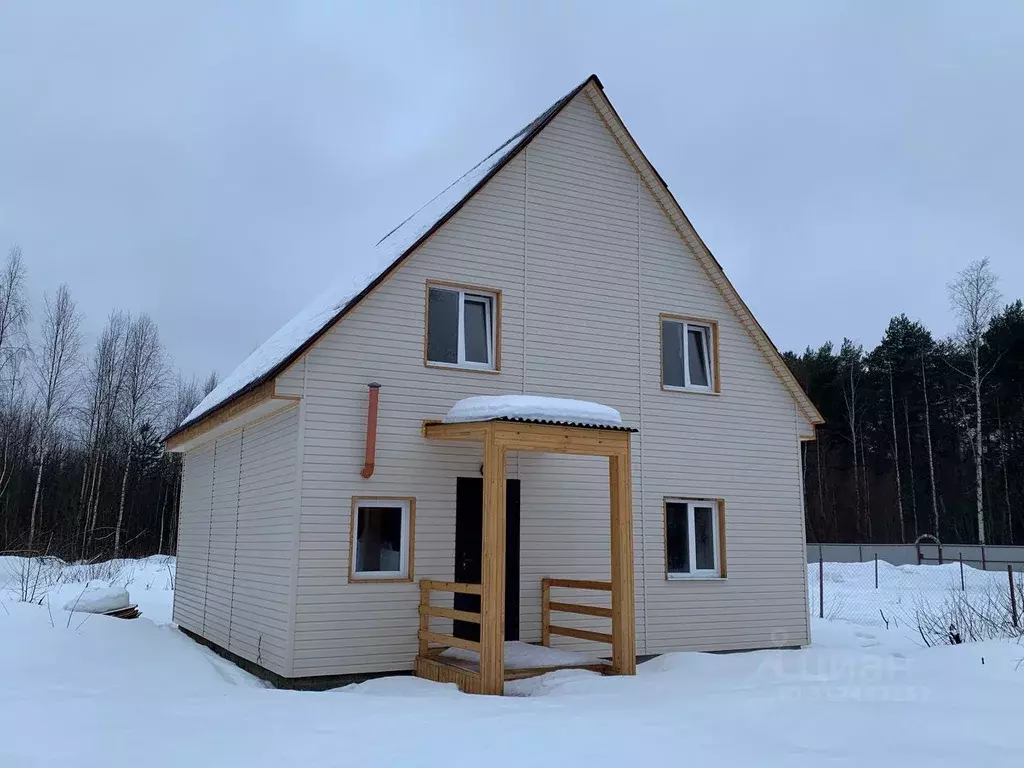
[88, 690]
[903, 592]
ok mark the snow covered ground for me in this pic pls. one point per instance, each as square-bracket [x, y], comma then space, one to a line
[98, 691]
[903, 590]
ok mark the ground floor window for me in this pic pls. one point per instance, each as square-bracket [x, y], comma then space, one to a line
[381, 539]
[693, 538]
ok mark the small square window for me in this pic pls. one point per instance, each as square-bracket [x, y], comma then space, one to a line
[686, 354]
[692, 545]
[381, 539]
[461, 328]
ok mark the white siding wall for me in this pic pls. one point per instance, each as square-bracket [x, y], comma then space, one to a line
[236, 535]
[193, 539]
[567, 233]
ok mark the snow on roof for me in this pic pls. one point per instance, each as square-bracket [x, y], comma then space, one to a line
[557, 410]
[359, 274]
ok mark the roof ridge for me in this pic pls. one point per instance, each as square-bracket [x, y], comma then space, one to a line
[518, 134]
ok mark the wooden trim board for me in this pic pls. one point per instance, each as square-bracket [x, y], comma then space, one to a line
[527, 436]
[256, 397]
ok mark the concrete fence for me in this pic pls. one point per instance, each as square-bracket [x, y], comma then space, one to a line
[989, 558]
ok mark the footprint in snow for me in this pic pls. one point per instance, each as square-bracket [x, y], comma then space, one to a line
[869, 640]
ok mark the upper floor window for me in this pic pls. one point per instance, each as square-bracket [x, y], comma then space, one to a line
[462, 327]
[688, 354]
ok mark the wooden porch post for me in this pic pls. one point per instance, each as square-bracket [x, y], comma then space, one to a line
[492, 576]
[623, 608]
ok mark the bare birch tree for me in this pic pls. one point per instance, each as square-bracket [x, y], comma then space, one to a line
[1008, 521]
[187, 394]
[14, 312]
[896, 459]
[56, 378]
[210, 383]
[975, 300]
[851, 356]
[910, 467]
[14, 315]
[931, 458]
[106, 380]
[144, 382]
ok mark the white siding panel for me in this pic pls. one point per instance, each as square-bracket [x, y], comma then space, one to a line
[585, 261]
[193, 550]
[224, 510]
[261, 612]
[582, 342]
[236, 535]
[741, 446]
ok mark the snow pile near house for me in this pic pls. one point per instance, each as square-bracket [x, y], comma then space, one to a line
[98, 600]
[357, 274]
[534, 408]
[54, 585]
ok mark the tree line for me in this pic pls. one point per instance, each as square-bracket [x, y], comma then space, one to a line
[82, 470]
[921, 435]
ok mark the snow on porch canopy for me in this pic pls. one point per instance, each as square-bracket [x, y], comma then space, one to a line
[534, 408]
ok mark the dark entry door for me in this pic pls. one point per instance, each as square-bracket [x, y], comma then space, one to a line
[469, 521]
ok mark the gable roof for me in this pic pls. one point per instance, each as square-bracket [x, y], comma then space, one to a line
[363, 275]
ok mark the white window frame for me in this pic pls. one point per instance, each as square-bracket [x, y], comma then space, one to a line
[404, 573]
[490, 302]
[691, 531]
[709, 339]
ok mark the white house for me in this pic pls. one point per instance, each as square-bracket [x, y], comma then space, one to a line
[327, 517]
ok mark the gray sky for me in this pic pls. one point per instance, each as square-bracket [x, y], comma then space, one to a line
[212, 163]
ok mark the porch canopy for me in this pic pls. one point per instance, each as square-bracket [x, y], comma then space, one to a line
[544, 425]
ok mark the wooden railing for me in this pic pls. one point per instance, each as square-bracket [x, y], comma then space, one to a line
[548, 605]
[428, 611]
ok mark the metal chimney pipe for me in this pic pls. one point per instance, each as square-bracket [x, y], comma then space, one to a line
[371, 430]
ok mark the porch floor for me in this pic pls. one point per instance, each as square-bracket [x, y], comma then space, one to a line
[522, 660]
[523, 656]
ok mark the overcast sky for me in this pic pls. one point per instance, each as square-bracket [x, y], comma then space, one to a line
[213, 163]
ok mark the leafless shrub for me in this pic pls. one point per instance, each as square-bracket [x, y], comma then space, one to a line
[31, 578]
[971, 617]
[107, 570]
[71, 611]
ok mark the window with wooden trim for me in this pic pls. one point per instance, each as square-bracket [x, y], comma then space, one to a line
[688, 356]
[381, 539]
[462, 327]
[693, 539]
